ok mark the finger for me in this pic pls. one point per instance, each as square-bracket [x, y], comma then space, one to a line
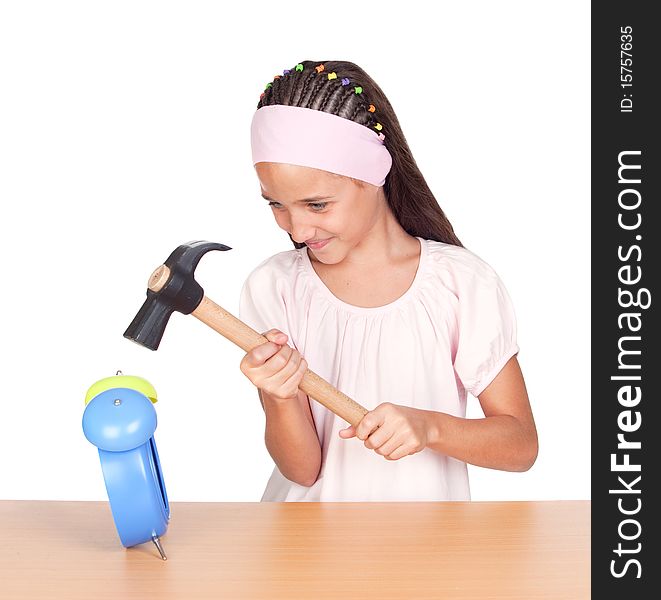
[401, 452]
[347, 433]
[282, 366]
[291, 367]
[279, 360]
[284, 383]
[259, 355]
[379, 437]
[276, 336]
[390, 446]
[298, 371]
[370, 422]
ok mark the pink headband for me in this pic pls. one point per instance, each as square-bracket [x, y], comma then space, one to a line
[312, 138]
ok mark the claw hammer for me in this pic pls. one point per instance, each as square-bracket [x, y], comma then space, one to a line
[172, 287]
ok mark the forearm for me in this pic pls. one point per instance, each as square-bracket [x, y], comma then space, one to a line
[291, 439]
[496, 442]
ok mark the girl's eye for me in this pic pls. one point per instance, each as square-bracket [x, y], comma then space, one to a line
[316, 206]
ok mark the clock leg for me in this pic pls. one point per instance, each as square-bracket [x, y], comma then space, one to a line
[157, 543]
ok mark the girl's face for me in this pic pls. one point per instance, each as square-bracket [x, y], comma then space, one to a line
[318, 206]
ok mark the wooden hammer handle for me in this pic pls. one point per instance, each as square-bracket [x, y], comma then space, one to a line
[247, 338]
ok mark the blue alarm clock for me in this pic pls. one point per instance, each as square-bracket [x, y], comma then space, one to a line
[120, 420]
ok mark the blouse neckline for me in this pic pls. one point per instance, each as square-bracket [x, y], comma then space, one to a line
[422, 265]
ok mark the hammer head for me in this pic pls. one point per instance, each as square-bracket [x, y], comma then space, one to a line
[179, 292]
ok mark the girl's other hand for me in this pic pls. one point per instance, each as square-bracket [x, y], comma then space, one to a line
[275, 367]
[391, 430]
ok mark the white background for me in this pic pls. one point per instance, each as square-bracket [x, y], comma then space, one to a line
[124, 132]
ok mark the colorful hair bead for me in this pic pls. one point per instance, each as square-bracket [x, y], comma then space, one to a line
[358, 90]
[382, 137]
[276, 77]
[262, 95]
[332, 76]
[299, 67]
[372, 108]
[345, 81]
[319, 68]
[286, 72]
[378, 127]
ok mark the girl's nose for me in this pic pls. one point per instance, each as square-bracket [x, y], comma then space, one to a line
[300, 231]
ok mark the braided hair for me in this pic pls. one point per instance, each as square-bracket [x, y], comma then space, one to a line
[342, 88]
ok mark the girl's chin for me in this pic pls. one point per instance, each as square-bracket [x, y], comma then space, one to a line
[328, 257]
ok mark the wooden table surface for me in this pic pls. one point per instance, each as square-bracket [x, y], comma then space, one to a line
[513, 550]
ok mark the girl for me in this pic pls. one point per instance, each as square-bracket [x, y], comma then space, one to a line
[379, 298]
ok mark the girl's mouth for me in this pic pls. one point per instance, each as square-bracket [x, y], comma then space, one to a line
[317, 245]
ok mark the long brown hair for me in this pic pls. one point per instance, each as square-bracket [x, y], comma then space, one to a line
[405, 189]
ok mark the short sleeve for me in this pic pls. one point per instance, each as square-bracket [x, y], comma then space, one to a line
[486, 326]
[262, 303]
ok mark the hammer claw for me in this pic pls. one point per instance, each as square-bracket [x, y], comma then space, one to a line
[179, 292]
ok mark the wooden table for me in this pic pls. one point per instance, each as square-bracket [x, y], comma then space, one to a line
[512, 550]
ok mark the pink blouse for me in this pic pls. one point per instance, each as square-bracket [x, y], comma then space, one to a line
[450, 333]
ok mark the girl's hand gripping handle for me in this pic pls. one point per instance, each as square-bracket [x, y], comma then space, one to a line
[247, 338]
